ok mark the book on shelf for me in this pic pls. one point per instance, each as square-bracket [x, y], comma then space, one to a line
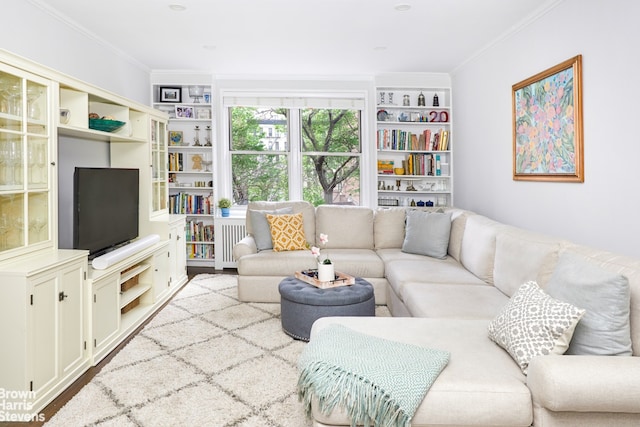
[175, 162]
[198, 231]
[194, 204]
[200, 251]
[385, 167]
[424, 164]
[401, 140]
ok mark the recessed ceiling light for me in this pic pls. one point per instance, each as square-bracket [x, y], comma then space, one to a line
[402, 7]
[177, 7]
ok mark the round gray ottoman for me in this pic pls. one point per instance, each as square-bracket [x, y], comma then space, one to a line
[302, 304]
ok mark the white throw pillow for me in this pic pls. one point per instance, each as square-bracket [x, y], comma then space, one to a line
[534, 324]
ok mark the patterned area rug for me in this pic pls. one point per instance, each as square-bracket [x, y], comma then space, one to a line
[205, 359]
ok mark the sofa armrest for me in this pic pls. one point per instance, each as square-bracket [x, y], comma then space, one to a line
[246, 246]
[585, 383]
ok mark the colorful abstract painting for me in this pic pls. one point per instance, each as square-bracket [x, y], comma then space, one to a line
[548, 125]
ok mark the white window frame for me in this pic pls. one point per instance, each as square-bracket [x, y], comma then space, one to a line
[296, 100]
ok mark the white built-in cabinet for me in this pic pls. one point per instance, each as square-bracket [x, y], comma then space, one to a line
[125, 294]
[26, 134]
[43, 304]
[61, 315]
[414, 144]
[190, 147]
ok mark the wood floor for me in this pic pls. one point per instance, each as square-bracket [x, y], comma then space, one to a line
[51, 409]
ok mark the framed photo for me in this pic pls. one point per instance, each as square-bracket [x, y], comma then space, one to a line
[547, 125]
[203, 113]
[175, 137]
[184, 112]
[170, 94]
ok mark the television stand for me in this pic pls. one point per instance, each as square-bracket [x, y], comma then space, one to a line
[126, 292]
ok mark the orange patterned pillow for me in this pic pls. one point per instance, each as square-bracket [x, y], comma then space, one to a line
[287, 232]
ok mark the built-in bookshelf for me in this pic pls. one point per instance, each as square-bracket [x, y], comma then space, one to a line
[190, 164]
[414, 146]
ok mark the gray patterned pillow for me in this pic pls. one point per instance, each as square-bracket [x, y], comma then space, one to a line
[534, 324]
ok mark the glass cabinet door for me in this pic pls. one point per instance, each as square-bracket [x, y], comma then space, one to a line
[159, 166]
[25, 140]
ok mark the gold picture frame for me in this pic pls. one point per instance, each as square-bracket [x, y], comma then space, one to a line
[547, 125]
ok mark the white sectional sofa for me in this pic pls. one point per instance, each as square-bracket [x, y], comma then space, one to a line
[453, 302]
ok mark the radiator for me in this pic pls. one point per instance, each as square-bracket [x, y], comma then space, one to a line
[228, 232]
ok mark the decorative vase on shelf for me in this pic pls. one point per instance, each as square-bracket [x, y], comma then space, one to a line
[326, 272]
[224, 212]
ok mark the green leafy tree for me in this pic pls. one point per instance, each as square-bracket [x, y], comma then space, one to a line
[336, 131]
[258, 176]
[254, 176]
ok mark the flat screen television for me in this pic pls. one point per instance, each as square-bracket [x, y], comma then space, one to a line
[105, 208]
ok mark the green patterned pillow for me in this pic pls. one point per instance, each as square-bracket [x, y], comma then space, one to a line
[534, 324]
[287, 232]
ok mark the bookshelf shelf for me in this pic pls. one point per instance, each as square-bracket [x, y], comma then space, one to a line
[417, 139]
[191, 165]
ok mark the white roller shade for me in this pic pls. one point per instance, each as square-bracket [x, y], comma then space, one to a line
[347, 102]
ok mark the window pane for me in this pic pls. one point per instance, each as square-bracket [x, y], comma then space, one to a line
[259, 129]
[327, 176]
[259, 177]
[259, 173]
[330, 131]
[338, 182]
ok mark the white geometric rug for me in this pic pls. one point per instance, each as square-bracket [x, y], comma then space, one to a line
[206, 359]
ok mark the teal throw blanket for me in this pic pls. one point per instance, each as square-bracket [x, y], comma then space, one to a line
[377, 381]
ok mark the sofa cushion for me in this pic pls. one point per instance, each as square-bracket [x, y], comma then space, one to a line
[481, 385]
[261, 230]
[604, 329]
[271, 263]
[427, 233]
[479, 246]
[534, 324]
[287, 232]
[522, 256]
[440, 300]
[388, 227]
[356, 262]
[418, 268]
[308, 215]
[458, 223]
[348, 227]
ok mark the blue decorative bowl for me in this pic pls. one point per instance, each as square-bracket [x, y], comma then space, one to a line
[105, 125]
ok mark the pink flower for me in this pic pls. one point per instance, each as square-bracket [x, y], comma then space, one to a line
[316, 251]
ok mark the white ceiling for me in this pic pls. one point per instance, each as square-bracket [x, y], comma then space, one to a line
[298, 37]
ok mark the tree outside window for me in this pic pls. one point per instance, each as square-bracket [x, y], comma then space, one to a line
[329, 153]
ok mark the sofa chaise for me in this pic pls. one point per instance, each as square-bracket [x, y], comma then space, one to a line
[466, 299]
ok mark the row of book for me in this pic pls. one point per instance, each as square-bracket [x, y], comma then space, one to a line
[191, 204]
[398, 139]
[176, 162]
[197, 231]
[423, 164]
[200, 251]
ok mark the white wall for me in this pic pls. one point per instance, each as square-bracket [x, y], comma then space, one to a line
[32, 32]
[600, 212]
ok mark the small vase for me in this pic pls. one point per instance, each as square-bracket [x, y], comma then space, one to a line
[326, 272]
[224, 211]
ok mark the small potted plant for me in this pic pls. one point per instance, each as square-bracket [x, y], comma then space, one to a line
[224, 205]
